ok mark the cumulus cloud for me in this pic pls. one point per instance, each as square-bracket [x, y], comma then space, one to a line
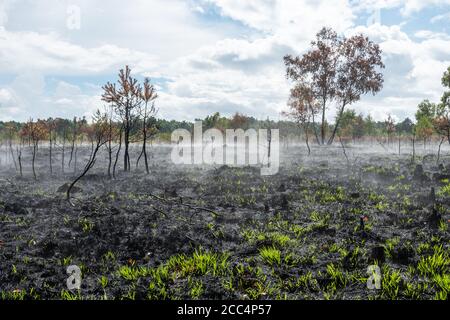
[407, 7]
[440, 17]
[48, 53]
[413, 69]
[205, 55]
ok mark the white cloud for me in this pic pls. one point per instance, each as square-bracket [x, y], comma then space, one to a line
[414, 69]
[26, 97]
[440, 17]
[407, 7]
[47, 53]
[207, 64]
[294, 21]
[8, 104]
[427, 34]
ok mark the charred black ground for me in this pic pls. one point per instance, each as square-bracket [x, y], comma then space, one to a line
[309, 232]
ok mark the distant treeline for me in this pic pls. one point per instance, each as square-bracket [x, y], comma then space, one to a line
[352, 125]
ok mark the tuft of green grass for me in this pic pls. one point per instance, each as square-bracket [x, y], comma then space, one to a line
[67, 295]
[66, 261]
[200, 263]
[441, 295]
[390, 283]
[436, 264]
[196, 288]
[86, 225]
[326, 195]
[158, 286]
[17, 294]
[338, 278]
[381, 206]
[390, 245]
[442, 282]
[271, 255]
[132, 273]
[444, 191]
[443, 226]
[103, 281]
[306, 281]
[415, 291]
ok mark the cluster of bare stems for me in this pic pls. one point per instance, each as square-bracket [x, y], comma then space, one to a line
[132, 104]
[128, 118]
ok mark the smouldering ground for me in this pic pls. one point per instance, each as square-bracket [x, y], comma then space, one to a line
[229, 233]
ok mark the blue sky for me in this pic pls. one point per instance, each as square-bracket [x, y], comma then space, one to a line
[207, 55]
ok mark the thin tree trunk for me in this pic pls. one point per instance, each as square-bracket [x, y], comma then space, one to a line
[118, 152]
[125, 156]
[144, 143]
[315, 129]
[307, 139]
[336, 126]
[144, 150]
[12, 154]
[74, 137]
[343, 148]
[88, 167]
[109, 160]
[63, 151]
[19, 158]
[439, 151]
[323, 122]
[75, 157]
[50, 153]
[33, 160]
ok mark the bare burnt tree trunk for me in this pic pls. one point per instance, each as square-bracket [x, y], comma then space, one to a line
[414, 146]
[126, 156]
[439, 150]
[323, 122]
[110, 149]
[63, 151]
[343, 149]
[35, 147]
[315, 129]
[88, 167]
[109, 160]
[74, 137]
[19, 158]
[144, 148]
[307, 139]
[336, 126]
[92, 149]
[12, 153]
[139, 158]
[75, 157]
[144, 142]
[50, 151]
[399, 144]
[118, 152]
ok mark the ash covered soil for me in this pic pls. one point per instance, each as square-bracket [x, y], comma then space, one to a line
[309, 232]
